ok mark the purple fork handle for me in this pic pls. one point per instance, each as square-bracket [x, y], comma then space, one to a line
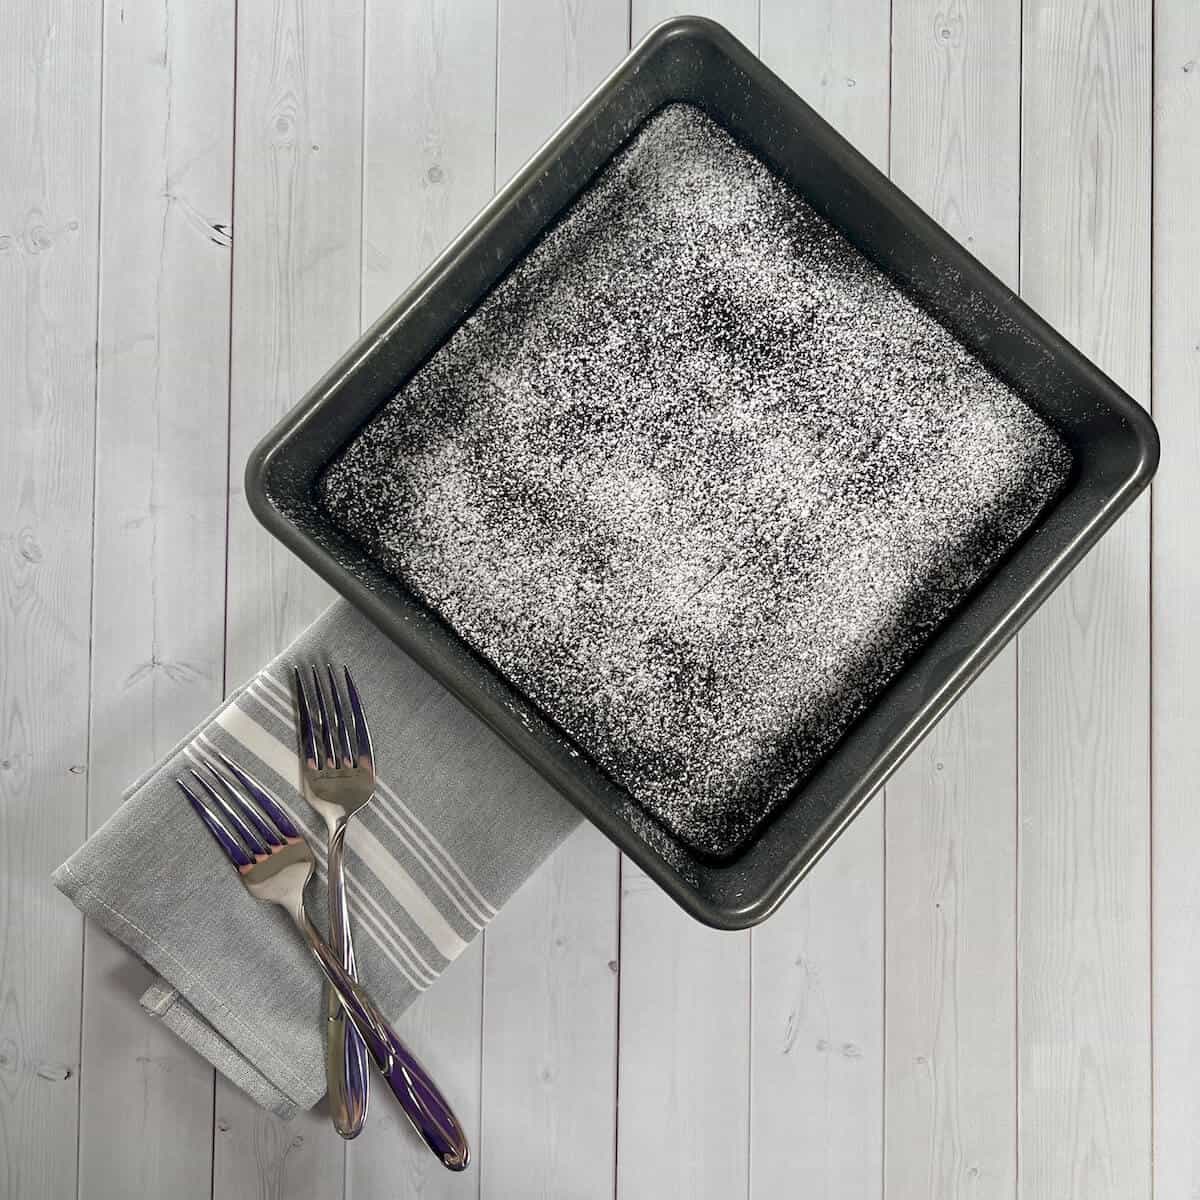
[418, 1095]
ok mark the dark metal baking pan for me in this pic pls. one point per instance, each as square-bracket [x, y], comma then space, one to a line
[1113, 441]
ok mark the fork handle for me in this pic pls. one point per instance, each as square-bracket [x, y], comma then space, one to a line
[423, 1104]
[346, 1067]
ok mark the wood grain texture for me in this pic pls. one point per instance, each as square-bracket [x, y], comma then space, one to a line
[740, 17]
[951, 830]
[683, 1076]
[550, 1030]
[816, 1099]
[430, 130]
[550, 987]
[258, 1157]
[161, 428]
[1083, 883]
[552, 53]
[428, 167]
[50, 98]
[836, 55]
[950, 1116]
[296, 307]
[816, 1094]
[1176, 647]
[956, 129]
[721, 1058]
[162, 408]
[296, 276]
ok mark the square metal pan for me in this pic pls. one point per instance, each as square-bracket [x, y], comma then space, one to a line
[1112, 438]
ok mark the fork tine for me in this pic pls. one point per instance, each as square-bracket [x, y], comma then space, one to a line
[237, 853]
[304, 719]
[339, 720]
[326, 727]
[262, 797]
[362, 734]
[232, 808]
[266, 830]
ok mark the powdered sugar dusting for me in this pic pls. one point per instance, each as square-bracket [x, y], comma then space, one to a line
[697, 479]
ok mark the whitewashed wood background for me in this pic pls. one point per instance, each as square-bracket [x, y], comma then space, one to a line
[990, 989]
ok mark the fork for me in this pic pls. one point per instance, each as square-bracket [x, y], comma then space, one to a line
[339, 780]
[275, 864]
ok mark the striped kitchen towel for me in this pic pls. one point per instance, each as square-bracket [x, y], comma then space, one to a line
[458, 822]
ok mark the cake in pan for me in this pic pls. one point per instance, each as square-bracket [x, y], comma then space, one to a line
[697, 478]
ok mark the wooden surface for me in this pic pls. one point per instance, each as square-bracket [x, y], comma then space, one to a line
[49, 200]
[1175, 654]
[950, 1099]
[1083, 760]
[166, 173]
[986, 990]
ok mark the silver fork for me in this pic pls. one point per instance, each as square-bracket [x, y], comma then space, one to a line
[275, 864]
[339, 780]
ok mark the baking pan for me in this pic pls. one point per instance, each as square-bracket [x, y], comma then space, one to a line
[1113, 441]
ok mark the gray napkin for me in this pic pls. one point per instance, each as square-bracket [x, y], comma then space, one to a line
[458, 822]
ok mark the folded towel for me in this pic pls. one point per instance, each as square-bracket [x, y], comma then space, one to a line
[458, 822]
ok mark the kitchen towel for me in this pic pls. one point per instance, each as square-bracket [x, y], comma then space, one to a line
[459, 821]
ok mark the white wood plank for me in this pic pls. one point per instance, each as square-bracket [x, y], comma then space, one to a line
[1048, 1085]
[159, 580]
[296, 307]
[550, 1030]
[429, 160]
[955, 129]
[683, 1098]
[1176, 649]
[552, 54]
[50, 97]
[816, 1123]
[296, 269]
[1083, 917]
[951, 945]
[428, 167]
[836, 55]
[951, 828]
[550, 987]
[740, 17]
[259, 1157]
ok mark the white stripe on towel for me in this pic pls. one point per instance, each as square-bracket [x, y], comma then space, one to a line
[486, 910]
[446, 875]
[284, 762]
[356, 890]
[391, 939]
[452, 891]
[383, 928]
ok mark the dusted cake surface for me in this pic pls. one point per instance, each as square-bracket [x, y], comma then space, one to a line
[697, 478]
